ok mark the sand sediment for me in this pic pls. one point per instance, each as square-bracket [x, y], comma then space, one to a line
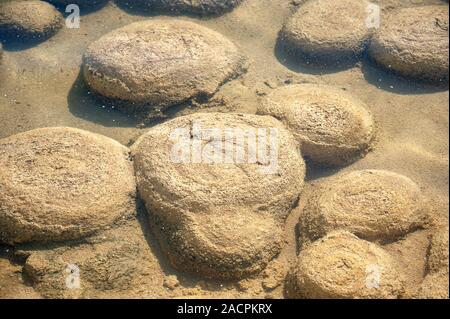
[40, 87]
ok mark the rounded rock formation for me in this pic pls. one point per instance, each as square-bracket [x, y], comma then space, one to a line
[327, 31]
[222, 243]
[341, 265]
[372, 204]
[160, 62]
[413, 42]
[333, 127]
[219, 204]
[28, 20]
[200, 7]
[62, 183]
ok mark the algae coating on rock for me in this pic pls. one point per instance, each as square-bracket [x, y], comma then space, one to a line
[59, 184]
[25, 20]
[372, 204]
[341, 265]
[327, 31]
[219, 216]
[333, 127]
[414, 42]
[157, 63]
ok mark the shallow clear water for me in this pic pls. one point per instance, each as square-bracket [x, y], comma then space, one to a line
[41, 86]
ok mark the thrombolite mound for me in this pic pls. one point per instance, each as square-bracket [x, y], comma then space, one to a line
[202, 7]
[62, 183]
[160, 62]
[224, 210]
[372, 204]
[27, 20]
[222, 243]
[327, 31]
[341, 265]
[414, 43]
[333, 127]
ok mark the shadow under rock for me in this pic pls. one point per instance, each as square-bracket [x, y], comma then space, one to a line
[142, 8]
[6, 250]
[86, 105]
[11, 43]
[93, 6]
[394, 83]
[315, 171]
[143, 218]
[300, 63]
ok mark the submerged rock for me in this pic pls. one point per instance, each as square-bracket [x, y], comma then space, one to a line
[326, 31]
[333, 127]
[28, 20]
[221, 243]
[414, 42]
[219, 214]
[372, 204]
[341, 265]
[118, 263]
[61, 183]
[154, 64]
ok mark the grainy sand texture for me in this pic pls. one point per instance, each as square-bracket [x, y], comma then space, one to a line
[224, 231]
